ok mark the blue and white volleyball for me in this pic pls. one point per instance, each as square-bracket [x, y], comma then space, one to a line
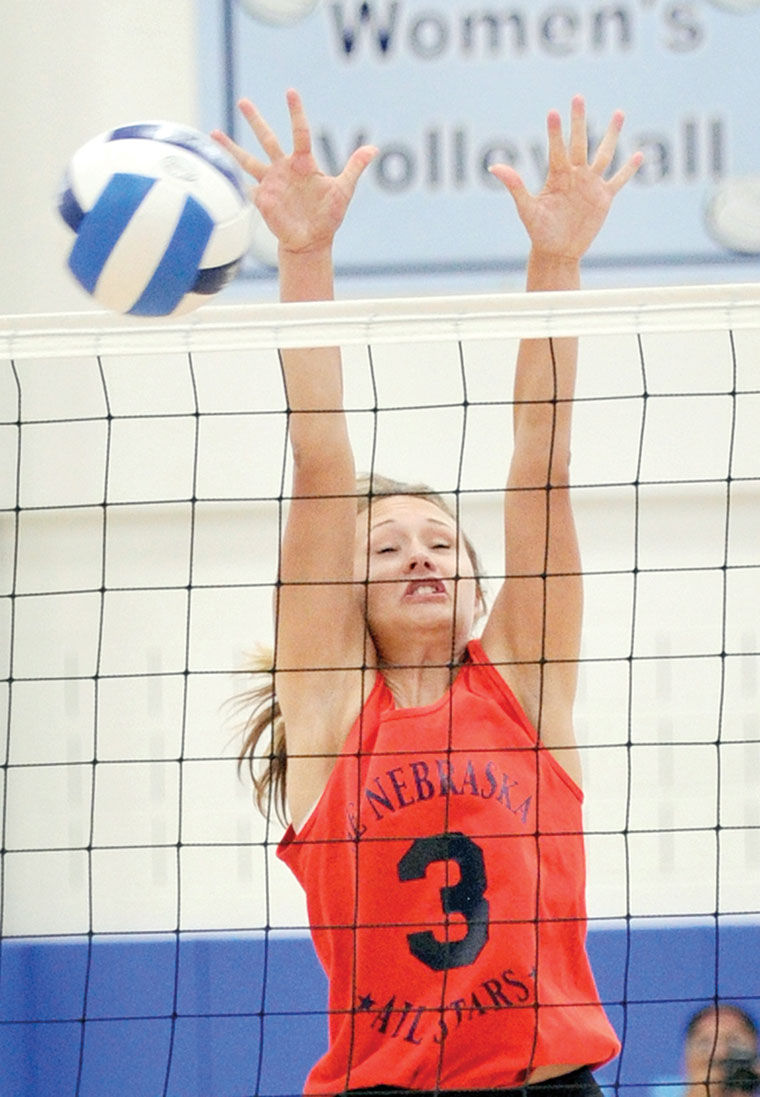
[160, 215]
[280, 13]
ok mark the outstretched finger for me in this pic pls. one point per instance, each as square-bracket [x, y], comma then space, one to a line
[606, 151]
[514, 184]
[628, 170]
[556, 145]
[299, 124]
[266, 136]
[578, 147]
[357, 162]
[247, 161]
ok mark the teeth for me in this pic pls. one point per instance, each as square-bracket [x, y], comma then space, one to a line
[431, 588]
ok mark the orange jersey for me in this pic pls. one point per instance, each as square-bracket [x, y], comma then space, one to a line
[444, 872]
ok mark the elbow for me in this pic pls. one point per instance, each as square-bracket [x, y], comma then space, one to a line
[327, 469]
[559, 471]
[318, 440]
[551, 470]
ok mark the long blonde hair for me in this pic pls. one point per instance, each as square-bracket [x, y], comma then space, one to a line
[266, 758]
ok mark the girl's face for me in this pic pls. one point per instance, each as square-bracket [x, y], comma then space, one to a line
[421, 578]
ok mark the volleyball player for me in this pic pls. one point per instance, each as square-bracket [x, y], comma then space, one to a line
[432, 780]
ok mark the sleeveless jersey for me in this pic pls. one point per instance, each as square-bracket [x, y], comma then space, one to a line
[444, 873]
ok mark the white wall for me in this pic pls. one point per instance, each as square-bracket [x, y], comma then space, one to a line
[70, 69]
[670, 693]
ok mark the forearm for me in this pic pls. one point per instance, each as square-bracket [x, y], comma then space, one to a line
[562, 220]
[545, 384]
[313, 382]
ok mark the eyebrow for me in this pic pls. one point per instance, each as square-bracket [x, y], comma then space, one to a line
[430, 521]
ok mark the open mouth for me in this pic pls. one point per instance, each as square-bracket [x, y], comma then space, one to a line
[419, 588]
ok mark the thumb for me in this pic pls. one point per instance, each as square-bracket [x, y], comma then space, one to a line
[357, 162]
[512, 181]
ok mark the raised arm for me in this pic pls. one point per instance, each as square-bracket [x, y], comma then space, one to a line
[534, 629]
[320, 624]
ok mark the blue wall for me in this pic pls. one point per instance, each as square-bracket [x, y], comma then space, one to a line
[230, 1016]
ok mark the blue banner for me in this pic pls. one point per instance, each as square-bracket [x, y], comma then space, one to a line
[446, 87]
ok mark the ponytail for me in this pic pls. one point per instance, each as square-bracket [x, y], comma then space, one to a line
[266, 761]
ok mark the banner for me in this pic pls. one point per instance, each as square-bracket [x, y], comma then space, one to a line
[446, 87]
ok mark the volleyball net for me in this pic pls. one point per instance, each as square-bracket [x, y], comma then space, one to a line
[150, 941]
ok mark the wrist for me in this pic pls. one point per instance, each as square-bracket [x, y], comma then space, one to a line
[306, 275]
[549, 271]
[316, 249]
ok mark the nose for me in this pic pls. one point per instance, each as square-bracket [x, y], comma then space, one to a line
[419, 559]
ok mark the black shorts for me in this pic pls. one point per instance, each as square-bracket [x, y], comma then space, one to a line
[578, 1083]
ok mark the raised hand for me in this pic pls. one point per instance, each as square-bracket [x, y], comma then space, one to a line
[302, 206]
[565, 216]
